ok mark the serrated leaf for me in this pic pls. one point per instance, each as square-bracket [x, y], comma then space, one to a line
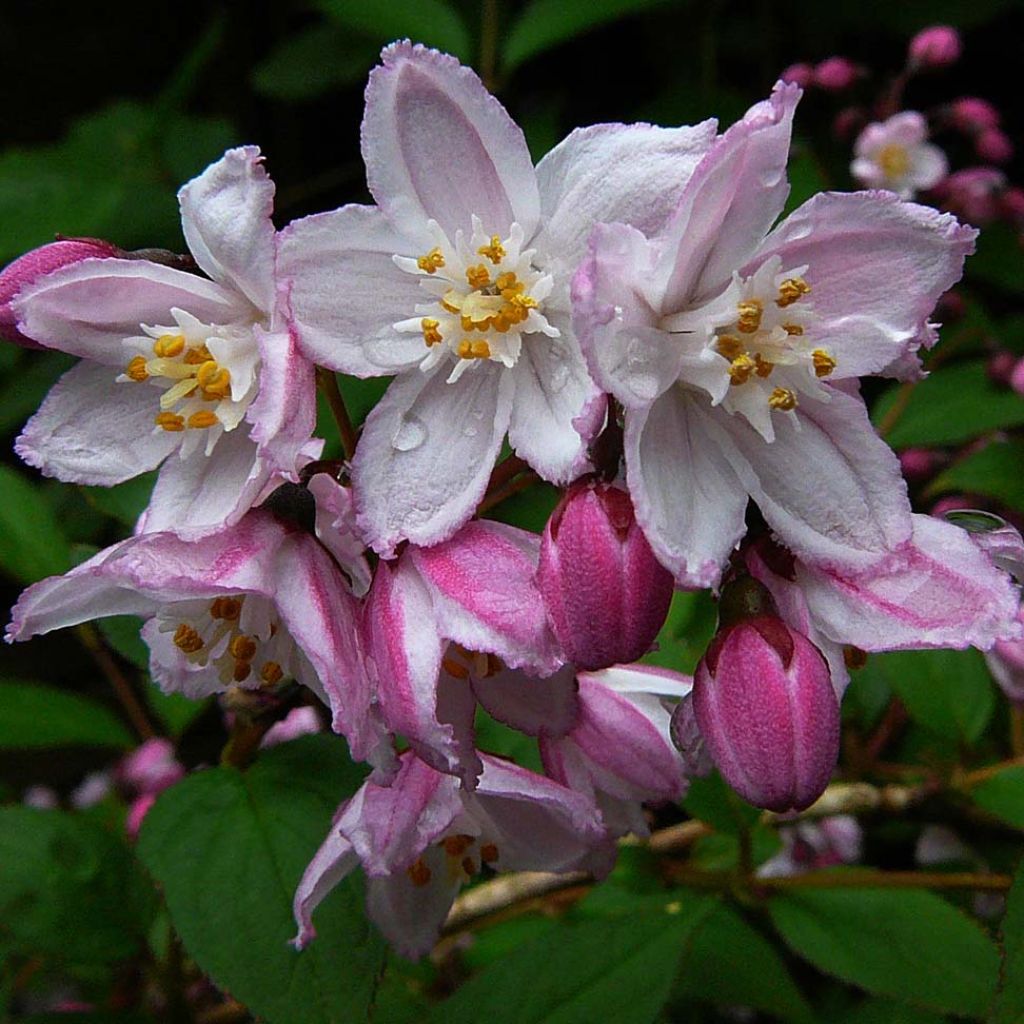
[547, 23]
[909, 944]
[32, 715]
[432, 22]
[1009, 1002]
[313, 62]
[32, 544]
[1002, 794]
[954, 404]
[617, 968]
[994, 471]
[228, 849]
[68, 888]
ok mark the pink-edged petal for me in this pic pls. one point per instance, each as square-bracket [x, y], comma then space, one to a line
[688, 499]
[92, 430]
[481, 582]
[828, 484]
[90, 307]
[225, 215]
[939, 590]
[438, 146]
[406, 649]
[426, 454]
[628, 173]
[876, 267]
[283, 414]
[175, 674]
[336, 530]
[344, 291]
[729, 203]
[202, 493]
[531, 704]
[330, 864]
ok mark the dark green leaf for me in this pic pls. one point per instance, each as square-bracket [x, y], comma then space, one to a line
[228, 848]
[994, 471]
[1009, 1003]
[122, 633]
[997, 259]
[954, 404]
[32, 544]
[124, 502]
[712, 801]
[886, 1011]
[41, 716]
[24, 390]
[313, 62]
[909, 944]
[1002, 794]
[177, 712]
[68, 888]
[805, 178]
[432, 22]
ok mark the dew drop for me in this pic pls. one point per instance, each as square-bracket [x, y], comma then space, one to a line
[411, 433]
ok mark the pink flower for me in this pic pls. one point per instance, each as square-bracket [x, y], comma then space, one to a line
[994, 146]
[975, 193]
[151, 768]
[813, 845]
[457, 282]
[836, 74]
[298, 722]
[251, 605]
[1006, 663]
[733, 351]
[894, 155]
[935, 47]
[799, 74]
[971, 114]
[606, 594]
[137, 813]
[422, 838]
[200, 375]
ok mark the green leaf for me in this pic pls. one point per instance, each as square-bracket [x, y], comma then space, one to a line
[547, 23]
[176, 711]
[805, 178]
[68, 888]
[689, 627]
[954, 404]
[994, 471]
[314, 61]
[123, 502]
[948, 692]
[228, 849]
[24, 389]
[886, 1011]
[432, 22]
[997, 259]
[32, 544]
[122, 633]
[41, 716]
[711, 800]
[732, 964]
[909, 944]
[1002, 794]
[617, 968]
[1009, 1002]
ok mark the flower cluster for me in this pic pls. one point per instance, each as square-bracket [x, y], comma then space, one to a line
[632, 318]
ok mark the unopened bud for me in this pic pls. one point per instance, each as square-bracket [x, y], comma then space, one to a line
[993, 145]
[35, 264]
[768, 713]
[918, 463]
[688, 739]
[605, 593]
[798, 74]
[150, 768]
[836, 74]
[971, 114]
[935, 47]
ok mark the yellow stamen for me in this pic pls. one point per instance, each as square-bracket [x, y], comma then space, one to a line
[456, 846]
[431, 334]
[451, 301]
[170, 421]
[782, 398]
[214, 379]
[271, 673]
[494, 252]
[432, 262]
[242, 671]
[227, 608]
[419, 873]
[197, 355]
[202, 420]
[455, 668]
[167, 346]
[478, 276]
[749, 318]
[469, 865]
[790, 290]
[740, 369]
[136, 369]
[894, 160]
[187, 639]
[480, 349]
[824, 363]
[488, 853]
[730, 346]
[764, 367]
[794, 330]
[242, 648]
[508, 282]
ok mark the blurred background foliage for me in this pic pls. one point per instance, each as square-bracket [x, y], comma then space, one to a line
[106, 112]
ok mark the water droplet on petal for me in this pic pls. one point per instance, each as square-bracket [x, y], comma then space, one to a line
[411, 433]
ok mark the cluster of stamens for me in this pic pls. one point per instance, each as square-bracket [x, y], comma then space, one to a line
[461, 663]
[462, 861]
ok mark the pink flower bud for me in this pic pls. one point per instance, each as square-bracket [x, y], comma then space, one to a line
[994, 146]
[1017, 377]
[848, 123]
[975, 193]
[136, 813]
[971, 114]
[605, 593]
[1000, 367]
[836, 74]
[766, 707]
[951, 503]
[151, 768]
[26, 269]
[918, 463]
[1013, 203]
[798, 74]
[935, 47]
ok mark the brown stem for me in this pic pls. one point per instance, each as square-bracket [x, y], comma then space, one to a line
[328, 384]
[888, 880]
[504, 471]
[489, 43]
[898, 408]
[982, 774]
[130, 702]
[1017, 730]
[893, 720]
[520, 483]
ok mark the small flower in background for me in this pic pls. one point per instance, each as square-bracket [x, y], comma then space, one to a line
[815, 845]
[835, 74]
[934, 47]
[150, 768]
[894, 155]
[974, 193]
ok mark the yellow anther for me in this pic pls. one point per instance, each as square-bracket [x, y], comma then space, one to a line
[894, 160]
[197, 355]
[465, 349]
[466, 322]
[503, 321]
[456, 846]
[227, 608]
[480, 349]
[271, 673]
[790, 290]
[749, 315]
[242, 671]
[451, 301]
[432, 262]
[187, 639]
[740, 369]
[824, 363]
[523, 302]
[136, 369]
[782, 398]
[431, 334]
[242, 648]
[793, 329]
[419, 873]
[764, 367]
[488, 853]
[478, 276]
[469, 866]
[214, 379]
[170, 421]
[508, 282]
[494, 252]
[202, 420]
[455, 668]
[730, 346]
[167, 346]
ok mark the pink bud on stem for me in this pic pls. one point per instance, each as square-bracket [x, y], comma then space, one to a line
[935, 47]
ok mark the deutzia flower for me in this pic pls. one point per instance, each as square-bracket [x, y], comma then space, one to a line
[457, 282]
[200, 375]
[893, 154]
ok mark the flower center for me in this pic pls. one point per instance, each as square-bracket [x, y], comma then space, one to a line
[485, 295]
[207, 373]
[241, 637]
[463, 858]
[894, 160]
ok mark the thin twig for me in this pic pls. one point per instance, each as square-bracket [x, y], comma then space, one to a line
[970, 779]
[514, 486]
[897, 409]
[123, 689]
[489, 43]
[888, 880]
[1017, 730]
[328, 384]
